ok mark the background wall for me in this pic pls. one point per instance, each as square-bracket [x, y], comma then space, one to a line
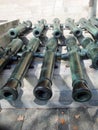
[37, 9]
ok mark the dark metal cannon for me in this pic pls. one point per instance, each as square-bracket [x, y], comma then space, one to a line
[10, 90]
[92, 29]
[22, 27]
[43, 90]
[57, 28]
[74, 29]
[89, 45]
[40, 28]
[81, 92]
[91, 48]
[94, 21]
[11, 49]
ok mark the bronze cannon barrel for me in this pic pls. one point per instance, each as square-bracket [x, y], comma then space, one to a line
[74, 29]
[90, 46]
[10, 89]
[57, 30]
[94, 21]
[92, 29]
[43, 90]
[81, 92]
[92, 50]
[12, 48]
[40, 28]
[14, 32]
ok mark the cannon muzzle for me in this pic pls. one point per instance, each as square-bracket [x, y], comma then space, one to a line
[81, 93]
[73, 27]
[8, 92]
[40, 28]
[37, 32]
[57, 33]
[42, 92]
[14, 32]
[77, 32]
[57, 30]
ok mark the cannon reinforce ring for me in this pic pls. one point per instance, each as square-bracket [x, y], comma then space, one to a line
[13, 33]
[36, 33]
[77, 33]
[9, 93]
[81, 93]
[42, 93]
[57, 34]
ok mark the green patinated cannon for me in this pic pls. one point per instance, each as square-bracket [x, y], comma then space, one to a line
[40, 28]
[81, 92]
[74, 29]
[10, 90]
[57, 28]
[43, 90]
[12, 49]
[89, 45]
[94, 21]
[92, 29]
[91, 49]
[14, 32]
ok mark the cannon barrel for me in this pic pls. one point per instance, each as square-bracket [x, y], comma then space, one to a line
[14, 32]
[81, 92]
[10, 90]
[40, 28]
[72, 26]
[93, 30]
[12, 48]
[94, 21]
[92, 49]
[57, 30]
[43, 90]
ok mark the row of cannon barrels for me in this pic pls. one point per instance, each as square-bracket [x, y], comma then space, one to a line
[78, 48]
